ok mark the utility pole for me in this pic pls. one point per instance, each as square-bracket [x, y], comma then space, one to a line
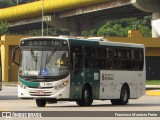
[17, 2]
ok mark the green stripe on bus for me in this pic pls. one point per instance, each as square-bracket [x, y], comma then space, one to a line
[28, 83]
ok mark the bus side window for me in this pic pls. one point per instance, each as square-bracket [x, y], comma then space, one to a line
[100, 57]
[109, 58]
[76, 57]
[78, 61]
[137, 59]
[89, 57]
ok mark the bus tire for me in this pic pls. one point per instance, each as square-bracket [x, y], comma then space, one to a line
[41, 102]
[86, 98]
[79, 102]
[124, 96]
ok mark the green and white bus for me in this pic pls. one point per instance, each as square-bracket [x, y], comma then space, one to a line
[0, 72]
[62, 68]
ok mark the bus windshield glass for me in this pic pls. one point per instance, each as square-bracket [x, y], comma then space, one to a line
[49, 63]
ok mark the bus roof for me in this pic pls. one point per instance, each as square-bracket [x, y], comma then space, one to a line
[89, 41]
[105, 42]
[120, 44]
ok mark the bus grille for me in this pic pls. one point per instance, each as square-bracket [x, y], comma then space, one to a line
[41, 87]
[40, 93]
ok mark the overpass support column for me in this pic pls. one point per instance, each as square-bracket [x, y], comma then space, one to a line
[156, 24]
[77, 26]
[4, 58]
[72, 25]
[74, 28]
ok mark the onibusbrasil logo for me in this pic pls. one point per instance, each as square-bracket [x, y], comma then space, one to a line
[10, 115]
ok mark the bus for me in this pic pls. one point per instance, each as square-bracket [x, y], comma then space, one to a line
[62, 68]
[0, 72]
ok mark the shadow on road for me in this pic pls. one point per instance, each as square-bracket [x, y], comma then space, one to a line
[11, 97]
[110, 105]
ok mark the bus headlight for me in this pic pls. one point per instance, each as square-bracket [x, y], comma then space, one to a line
[65, 82]
[62, 85]
[22, 86]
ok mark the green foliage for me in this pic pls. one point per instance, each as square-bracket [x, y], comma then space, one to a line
[120, 27]
[49, 32]
[153, 82]
[9, 3]
[24, 1]
[89, 33]
[3, 28]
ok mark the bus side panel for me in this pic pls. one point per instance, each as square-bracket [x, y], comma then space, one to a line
[0, 73]
[0, 78]
[78, 80]
[136, 83]
[92, 77]
[111, 83]
[76, 84]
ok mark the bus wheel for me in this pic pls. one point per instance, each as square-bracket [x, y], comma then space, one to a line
[86, 98]
[79, 102]
[124, 96]
[41, 102]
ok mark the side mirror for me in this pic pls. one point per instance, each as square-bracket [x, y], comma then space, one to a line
[14, 54]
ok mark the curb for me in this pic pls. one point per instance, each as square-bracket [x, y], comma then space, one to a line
[152, 87]
[10, 84]
[153, 92]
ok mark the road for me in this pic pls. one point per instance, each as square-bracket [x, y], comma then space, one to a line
[10, 102]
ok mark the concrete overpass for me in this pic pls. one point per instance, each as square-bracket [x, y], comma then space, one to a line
[150, 6]
[76, 15]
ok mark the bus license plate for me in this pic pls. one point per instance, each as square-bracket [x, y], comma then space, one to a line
[46, 84]
[40, 93]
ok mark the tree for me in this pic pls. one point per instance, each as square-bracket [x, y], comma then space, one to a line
[120, 27]
[25, 1]
[89, 33]
[9, 3]
[3, 28]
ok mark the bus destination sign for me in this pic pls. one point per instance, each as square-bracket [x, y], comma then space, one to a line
[46, 42]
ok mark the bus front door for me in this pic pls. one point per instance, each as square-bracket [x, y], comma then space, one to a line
[77, 76]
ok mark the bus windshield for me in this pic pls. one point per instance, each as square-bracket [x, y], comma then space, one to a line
[53, 63]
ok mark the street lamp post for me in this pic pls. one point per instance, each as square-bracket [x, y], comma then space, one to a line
[42, 16]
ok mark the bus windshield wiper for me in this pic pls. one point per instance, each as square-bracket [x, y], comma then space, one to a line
[33, 57]
[48, 59]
